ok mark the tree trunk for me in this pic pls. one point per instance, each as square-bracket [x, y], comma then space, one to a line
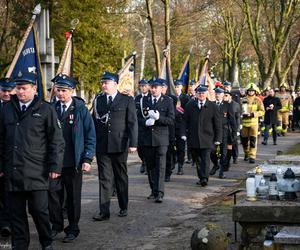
[298, 77]
[143, 57]
[154, 36]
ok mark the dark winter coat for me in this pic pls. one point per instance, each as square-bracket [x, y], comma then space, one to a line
[31, 145]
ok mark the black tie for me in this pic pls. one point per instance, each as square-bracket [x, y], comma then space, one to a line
[201, 105]
[154, 102]
[63, 110]
[109, 101]
[23, 108]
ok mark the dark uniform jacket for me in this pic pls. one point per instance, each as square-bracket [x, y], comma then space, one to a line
[271, 115]
[137, 101]
[83, 135]
[158, 134]
[184, 99]
[228, 119]
[237, 113]
[116, 128]
[296, 106]
[204, 127]
[31, 145]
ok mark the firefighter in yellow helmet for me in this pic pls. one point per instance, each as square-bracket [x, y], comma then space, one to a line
[287, 107]
[252, 109]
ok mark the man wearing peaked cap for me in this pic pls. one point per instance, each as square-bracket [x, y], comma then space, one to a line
[156, 119]
[31, 151]
[144, 93]
[116, 135]
[108, 76]
[229, 133]
[7, 88]
[203, 131]
[80, 143]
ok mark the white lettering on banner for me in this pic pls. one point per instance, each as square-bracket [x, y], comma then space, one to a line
[27, 51]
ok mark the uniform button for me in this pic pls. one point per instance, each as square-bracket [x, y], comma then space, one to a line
[15, 168]
[18, 124]
[108, 124]
[108, 112]
[153, 129]
[16, 147]
[108, 131]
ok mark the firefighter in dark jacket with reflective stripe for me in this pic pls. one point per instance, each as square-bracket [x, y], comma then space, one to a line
[80, 143]
[31, 152]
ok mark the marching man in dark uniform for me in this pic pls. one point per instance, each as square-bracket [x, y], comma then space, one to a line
[31, 152]
[156, 115]
[7, 88]
[144, 89]
[272, 104]
[80, 143]
[117, 133]
[204, 131]
[229, 132]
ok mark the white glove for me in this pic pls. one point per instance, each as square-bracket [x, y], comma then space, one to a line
[241, 126]
[150, 122]
[238, 133]
[154, 114]
[183, 137]
[217, 143]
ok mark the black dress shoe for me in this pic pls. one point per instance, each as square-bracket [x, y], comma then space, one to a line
[188, 161]
[48, 247]
[235, 161]
[142, 168]
[54, 234]
[246, 158]
[5, 232]
[214, 170]
[203, 182]
[101, 217]
[159, 198]
[274, 143]
[264, 143]
[251, 160]
[69, 238]
[123, 213]
[167, 178]
[151, 196]
[222, 176]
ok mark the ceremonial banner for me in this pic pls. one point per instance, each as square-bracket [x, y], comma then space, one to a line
[205, 79]
[126, 77]
[29, 61]
[184, 75]
[27, 58]
[166, 72]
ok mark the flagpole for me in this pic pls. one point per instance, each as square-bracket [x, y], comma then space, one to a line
[36, 12]
[73, 25]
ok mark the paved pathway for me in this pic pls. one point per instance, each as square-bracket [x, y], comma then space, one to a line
[168, 225]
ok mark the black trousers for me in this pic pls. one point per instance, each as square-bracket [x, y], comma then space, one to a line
[38, 208]
[235, 149]
[170, 159]
[202, 160]
[4, 206]
[156, 164]
[72, 183]
[141, 153]
[180, 150]
[112, 168]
